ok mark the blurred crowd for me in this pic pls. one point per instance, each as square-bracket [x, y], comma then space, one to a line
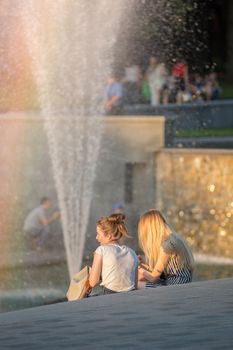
[157, 84]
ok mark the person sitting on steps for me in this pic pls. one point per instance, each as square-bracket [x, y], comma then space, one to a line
[116, 263]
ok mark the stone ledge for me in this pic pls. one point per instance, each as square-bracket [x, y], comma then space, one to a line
[194, 316]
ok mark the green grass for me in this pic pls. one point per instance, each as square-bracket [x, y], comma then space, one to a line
[207, 132]
[227, 90]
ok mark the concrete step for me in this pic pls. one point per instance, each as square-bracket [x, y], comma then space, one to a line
[185, 317]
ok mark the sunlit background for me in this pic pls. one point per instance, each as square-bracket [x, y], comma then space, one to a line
[192, 187]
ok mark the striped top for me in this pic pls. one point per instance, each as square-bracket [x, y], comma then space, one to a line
[174, 272]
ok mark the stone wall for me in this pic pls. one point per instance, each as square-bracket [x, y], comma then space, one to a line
[194, 190]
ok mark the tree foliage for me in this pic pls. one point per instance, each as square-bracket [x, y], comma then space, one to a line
[170, 29]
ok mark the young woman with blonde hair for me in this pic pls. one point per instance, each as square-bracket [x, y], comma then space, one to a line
[169, 259]
[115, 263]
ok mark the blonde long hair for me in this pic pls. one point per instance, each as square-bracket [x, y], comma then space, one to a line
[153, 229]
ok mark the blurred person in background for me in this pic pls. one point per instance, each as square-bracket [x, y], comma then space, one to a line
[180, 77]
[132, 82]
[37, 222]
[157, 79]
[212, 88]
[114, 95]
[118, 208]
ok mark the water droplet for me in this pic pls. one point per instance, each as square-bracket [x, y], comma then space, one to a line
[211, 188]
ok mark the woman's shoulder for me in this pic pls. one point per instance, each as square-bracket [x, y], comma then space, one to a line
[169, 244]
[118, 248]
[102, 249]
[130, 250]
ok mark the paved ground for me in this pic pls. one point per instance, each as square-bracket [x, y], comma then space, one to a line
[196, 316]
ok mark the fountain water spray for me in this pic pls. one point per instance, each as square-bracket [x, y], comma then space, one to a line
[71, 44]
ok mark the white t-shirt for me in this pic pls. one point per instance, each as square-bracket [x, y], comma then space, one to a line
[119, 267]
[34, 218]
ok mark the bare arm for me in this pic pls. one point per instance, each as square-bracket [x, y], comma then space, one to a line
[145, 266]
[158, 269]
[52, 218]
[95, 270]
[112, 101]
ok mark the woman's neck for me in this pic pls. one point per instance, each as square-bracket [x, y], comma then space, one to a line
[114, 241]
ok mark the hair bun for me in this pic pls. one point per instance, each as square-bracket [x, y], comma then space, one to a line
[117, 218]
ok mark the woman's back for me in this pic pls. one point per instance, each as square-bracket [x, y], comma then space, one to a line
[179, 266]
[119, 267]
[167, 254]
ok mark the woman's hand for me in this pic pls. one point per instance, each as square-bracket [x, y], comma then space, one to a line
[154, 275]
[88, 288]
[140, 258]
[140, 274]
[143, 264]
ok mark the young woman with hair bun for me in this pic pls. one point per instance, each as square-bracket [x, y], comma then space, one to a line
[117, 264]
[169, 259]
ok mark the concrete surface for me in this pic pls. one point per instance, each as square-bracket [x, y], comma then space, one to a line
[195, 316]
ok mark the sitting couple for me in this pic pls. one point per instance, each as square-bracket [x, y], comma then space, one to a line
[168, 259]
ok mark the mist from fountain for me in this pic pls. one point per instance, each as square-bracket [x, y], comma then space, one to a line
[72, 47]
